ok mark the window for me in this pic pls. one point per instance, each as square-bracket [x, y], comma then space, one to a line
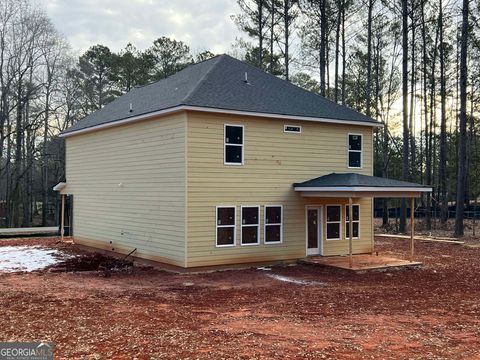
[233, 145]
[356, 221]
[354, 151]
[225, 226]
[273, 224]
[250, 225]
[333, 222]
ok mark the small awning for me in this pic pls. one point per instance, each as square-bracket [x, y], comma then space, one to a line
[60, 186]
[357, 185]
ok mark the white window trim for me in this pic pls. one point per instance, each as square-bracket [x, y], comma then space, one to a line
[333, 222]
[242, 225]
[242, 145]
[360, 151]
[226, 226]
[355, 221]
[265, 225]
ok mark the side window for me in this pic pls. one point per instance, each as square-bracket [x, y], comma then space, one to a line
[250, 225]
[233, 145]
[354, 151]
[273, 224]
[356, 221]
[225, 226]
[333, 222]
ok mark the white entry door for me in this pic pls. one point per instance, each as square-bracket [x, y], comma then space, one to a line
[314, 230]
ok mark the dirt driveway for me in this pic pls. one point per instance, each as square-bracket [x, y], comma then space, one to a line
[433, 313]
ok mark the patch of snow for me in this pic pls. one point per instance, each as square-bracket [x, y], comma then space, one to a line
[295, 281]
[28, 258]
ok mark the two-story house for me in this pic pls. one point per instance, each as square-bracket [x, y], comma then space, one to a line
[223, 163]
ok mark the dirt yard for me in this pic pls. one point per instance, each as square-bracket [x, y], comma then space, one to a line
[432, 313]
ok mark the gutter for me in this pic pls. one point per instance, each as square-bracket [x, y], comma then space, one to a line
[179, 108]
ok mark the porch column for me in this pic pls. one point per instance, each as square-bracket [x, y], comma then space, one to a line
[62, 217]
[412, 227]
[350, 231]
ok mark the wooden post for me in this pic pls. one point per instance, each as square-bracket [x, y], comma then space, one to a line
[350, 231]
[62, 218]
[412, 226]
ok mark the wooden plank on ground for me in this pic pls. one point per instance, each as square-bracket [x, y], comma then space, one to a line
[425, 238]
[31, 230]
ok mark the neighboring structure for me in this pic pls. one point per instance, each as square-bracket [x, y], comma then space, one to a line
[212, 166]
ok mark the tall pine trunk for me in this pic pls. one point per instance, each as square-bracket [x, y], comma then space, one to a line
[462, 135]
[405, 162]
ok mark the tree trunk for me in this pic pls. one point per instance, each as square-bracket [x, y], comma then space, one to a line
[369, 59]
[287, 37]
[462, 149]
[428, 204]
[323, 45]
[337, 47]
[442, 166]
[405, 162]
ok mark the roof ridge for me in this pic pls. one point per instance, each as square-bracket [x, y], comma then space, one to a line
[191, 92]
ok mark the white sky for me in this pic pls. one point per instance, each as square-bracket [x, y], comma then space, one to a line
[201, 24]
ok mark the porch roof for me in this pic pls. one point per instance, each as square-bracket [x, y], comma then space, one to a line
[358, 185]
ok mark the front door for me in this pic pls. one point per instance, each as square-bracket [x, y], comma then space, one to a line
[314, 230]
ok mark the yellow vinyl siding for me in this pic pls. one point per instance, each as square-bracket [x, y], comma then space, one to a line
[128, 184]
[274, 160]
[340, 247]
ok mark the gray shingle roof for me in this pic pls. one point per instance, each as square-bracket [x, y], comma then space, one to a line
[356, 180]
[219, 83]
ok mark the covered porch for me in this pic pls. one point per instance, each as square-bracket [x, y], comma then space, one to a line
[347, 189]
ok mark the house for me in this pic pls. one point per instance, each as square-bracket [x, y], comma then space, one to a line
[221, 164]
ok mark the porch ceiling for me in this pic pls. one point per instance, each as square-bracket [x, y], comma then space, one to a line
[357, 185]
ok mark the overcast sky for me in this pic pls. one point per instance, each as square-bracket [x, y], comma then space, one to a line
[201, 24]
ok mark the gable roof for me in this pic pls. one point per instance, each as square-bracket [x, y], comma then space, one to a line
[219, 84]
[352, 180]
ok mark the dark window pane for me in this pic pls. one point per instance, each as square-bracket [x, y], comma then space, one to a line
[234, 135]
[249, 234]
[356, 213]
[333, 231]
[226, 216]
[273, 215]
[250, 215]
[225, 236]
[355, 230]
[333, 213]
[354, 142]
[354, 159]
[272, 233]
[233, 154]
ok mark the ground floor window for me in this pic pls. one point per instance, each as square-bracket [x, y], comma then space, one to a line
[250, 225]
[273, 224]
[355, 221]
[226, 226]
[333, 222]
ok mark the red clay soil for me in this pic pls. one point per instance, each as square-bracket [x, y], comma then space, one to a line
[431, 313]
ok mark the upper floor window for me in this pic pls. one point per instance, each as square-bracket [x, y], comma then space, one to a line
[233, 145]
[354, 151]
